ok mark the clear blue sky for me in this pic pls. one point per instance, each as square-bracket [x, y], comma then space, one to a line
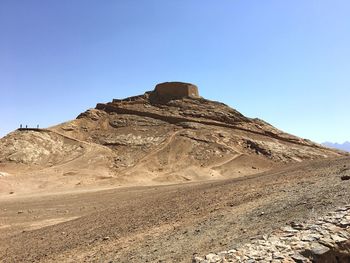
[287, 62]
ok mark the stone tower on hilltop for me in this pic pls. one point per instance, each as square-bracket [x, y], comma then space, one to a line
[175, 90]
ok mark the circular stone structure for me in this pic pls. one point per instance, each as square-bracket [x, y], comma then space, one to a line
[176, 90]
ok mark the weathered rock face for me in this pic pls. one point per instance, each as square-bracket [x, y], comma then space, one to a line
[40, 147]
[175, 90]
[183, 138]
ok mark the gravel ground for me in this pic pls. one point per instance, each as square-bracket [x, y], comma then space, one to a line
[169, 223]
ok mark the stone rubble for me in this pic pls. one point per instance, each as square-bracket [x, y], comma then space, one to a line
[324, 240]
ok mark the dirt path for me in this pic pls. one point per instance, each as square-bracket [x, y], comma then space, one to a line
[221, 163]
[161, 147]
[218, 164]
[167, 223]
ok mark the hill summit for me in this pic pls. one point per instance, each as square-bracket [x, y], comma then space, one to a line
[170, 134]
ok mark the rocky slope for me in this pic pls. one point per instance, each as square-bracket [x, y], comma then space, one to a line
[148, 139]
[324, 240]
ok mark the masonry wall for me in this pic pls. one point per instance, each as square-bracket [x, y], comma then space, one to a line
[176, 90]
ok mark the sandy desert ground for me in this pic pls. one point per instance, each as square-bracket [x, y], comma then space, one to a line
[145, 179]
[167, 223]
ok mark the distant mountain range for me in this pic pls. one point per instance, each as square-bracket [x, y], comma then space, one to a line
[345, 146]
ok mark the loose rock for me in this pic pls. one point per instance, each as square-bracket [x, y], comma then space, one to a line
[295, 243]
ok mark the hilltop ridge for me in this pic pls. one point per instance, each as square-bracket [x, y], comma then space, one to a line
[167, 135]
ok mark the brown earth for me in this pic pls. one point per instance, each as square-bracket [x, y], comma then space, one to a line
[150, 180]
[167, 223]
[144, 140]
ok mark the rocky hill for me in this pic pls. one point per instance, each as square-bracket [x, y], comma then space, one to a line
[168, 135]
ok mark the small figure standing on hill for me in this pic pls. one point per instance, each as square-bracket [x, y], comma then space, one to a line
[20, 126]
[37, 126]
[26, 126]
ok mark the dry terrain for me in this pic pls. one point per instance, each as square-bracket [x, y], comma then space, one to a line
[144, 141]
[157, 179]
[167, 223]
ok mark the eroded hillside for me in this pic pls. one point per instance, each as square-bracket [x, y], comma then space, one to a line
[149, 139]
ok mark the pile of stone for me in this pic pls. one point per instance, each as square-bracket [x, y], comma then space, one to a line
[324, 240]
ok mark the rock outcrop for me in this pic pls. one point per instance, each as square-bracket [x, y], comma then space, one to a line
[324, 240]
[168, 135]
